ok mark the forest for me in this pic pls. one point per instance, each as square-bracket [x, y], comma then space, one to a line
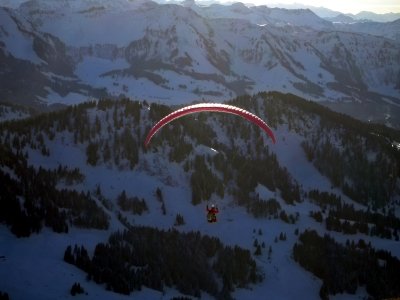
[344, 268]
[342, 217]
[44, 204]
[144, 256]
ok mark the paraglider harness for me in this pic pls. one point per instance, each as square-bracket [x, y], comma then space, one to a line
[212, 213]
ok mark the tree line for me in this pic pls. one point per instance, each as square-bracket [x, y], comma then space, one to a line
[344, 268]
[133, 204]
[144, 256]
[339, 146]
[343, 217]
[30, 198]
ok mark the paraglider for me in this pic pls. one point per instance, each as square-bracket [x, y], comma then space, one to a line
[212, 213]
[213, 107]
[210, 107]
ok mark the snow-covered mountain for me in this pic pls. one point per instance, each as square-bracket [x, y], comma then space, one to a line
[68, 51]
[367, 15]
[329, 14]
[78, 190]
[388, 29]
[263, 15]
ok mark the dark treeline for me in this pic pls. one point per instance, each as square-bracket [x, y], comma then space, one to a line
[30, 199]
[133, 204]
[203, 182]
[336, 224]
[360, 159]
[345, 218]
[332, 137]
[344, 268]
[267, 172]
[339, 146]
[6, 107]
[348, 227]
[243, 174]
[145, 256]
[260, 208]
[250, 158]
[348, 212]
[367, 222]
[240, 168]
[324, 199]
[353, 165]
[110, 135]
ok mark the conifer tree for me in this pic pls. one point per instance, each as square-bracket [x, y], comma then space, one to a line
[92, 154]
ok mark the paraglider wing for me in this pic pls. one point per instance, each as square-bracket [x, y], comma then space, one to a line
[213, 107]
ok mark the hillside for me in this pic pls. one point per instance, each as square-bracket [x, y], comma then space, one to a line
[84, 204]
[69, 52]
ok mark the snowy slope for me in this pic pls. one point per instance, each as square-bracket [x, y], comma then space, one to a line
[23, 258]
[16, 37]
[388, 29]
[8, 112]
[264, 15]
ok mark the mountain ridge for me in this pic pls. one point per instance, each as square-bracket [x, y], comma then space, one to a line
[189, 54]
